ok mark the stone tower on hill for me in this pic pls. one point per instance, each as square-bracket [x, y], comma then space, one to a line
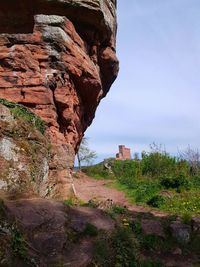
[124, 153]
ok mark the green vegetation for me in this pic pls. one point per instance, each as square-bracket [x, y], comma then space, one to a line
[186, 218]
[18, 245]
[156, 201]
[158, 180]
[74, 201]
[91, 204]
[100, 171]
[149, 263]
[90, 230]
[69, 202]
[97, 171]
[19, 111]
[122, 248]
[153, 242]
[116, 210]
[117, 249]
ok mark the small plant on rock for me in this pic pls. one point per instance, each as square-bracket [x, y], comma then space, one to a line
[18, 245]
[90, 230]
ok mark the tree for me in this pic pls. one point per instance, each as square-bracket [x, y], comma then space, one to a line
[84, 153]
[136, 156]
[192, 156]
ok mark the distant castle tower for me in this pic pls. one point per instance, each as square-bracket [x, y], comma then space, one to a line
[124, 153]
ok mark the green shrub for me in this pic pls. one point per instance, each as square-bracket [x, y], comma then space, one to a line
[156, 201]
[156, 164]
[183, 168]
[98, 171]
[178, 182]
[145, 190]
[127, 171]
[195, 181]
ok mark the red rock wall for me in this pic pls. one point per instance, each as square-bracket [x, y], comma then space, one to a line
[59, 64]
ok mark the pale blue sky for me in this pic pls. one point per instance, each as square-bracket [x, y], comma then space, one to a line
[156, 95]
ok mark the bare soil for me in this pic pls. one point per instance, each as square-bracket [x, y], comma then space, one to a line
[88, 188]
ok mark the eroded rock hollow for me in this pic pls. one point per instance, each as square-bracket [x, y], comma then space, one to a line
[57, 58]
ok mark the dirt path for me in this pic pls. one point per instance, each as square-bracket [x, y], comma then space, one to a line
[88, 188]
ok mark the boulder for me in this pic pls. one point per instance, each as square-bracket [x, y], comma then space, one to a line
[152, 227]
[181, 232]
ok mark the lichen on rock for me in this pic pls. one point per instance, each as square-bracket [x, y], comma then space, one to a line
[24, 154]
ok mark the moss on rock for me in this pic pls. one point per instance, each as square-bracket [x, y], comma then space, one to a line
[24, 151]
[20, 111]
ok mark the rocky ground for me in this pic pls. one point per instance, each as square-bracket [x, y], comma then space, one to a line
[38, 232]
[48, 233]
[181, 237]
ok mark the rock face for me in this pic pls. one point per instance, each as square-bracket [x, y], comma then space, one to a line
[57, 57]
[24, 157]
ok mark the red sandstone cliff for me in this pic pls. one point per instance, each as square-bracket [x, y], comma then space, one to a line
[57, 57]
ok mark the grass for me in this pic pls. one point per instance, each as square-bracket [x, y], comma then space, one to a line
[186, 202]
[177, 203]
[116, 210]
[99, 171]
[158, 180]
[138, 195]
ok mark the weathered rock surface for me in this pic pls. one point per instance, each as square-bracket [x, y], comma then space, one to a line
[181, 232]
[58, 59]
[29, 163]
[152, 227]
[24, 157]
[47, 229]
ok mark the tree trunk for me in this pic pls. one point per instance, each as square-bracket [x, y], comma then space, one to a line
[79, 162]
